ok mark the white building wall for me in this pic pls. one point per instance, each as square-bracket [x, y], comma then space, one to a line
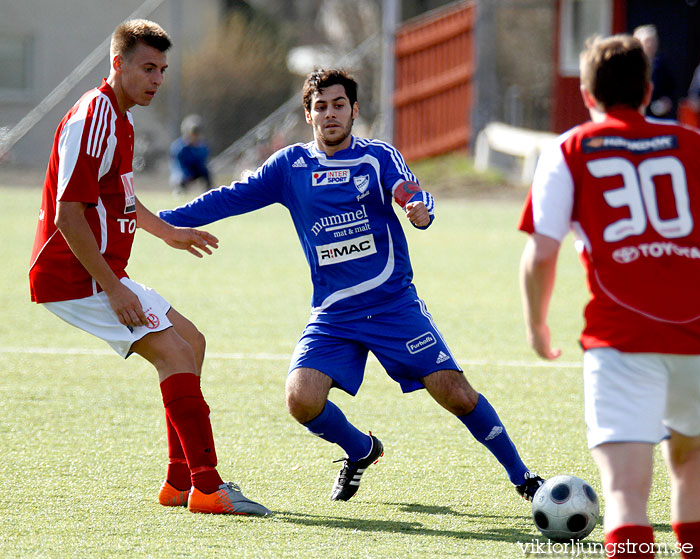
[61, 34]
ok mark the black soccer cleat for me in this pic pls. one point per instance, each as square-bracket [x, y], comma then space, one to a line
[348, 481]
[528, 489]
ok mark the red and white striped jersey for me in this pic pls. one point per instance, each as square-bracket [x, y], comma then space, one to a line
[91, 162]
[629, 188]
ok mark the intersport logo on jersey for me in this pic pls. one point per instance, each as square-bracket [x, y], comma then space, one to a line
[335, 176]
[625, 255]
[343, 251]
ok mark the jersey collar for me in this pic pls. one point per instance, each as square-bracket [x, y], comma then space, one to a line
[109, 92]
[624, 114]
[338, 154]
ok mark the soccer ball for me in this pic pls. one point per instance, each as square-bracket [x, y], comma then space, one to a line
[565, 508]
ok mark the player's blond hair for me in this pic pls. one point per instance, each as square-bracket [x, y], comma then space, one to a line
[615, 70]
[131, 32]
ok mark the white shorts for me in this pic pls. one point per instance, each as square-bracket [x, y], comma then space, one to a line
[638, 397]
[95, 316]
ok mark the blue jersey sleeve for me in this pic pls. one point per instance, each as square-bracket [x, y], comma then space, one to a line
[262, 188]
[395, 171]
[394, 168]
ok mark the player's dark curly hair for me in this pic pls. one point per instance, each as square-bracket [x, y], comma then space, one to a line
[615, 70]
[129, 33]
[318, 80]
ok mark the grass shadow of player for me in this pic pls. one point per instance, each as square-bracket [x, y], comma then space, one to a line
[397, 526]
[444, 510]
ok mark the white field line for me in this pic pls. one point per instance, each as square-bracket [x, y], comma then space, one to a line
[284, 357]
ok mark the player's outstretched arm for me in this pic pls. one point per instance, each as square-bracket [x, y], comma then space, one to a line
[183, 238]
[537, 275]
[418, 204]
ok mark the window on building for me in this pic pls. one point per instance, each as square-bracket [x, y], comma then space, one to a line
[15, 66]
[579, 20]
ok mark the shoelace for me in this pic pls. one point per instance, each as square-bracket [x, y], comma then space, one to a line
[344, 471]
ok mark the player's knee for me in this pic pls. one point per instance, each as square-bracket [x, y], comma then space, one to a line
[462, 407]
[302, 407]
[199, 345]
[460, 403]
[685, 456]
[452, 391]
[306, 392]
[297, 406]
[298, 412]
[176, 355]
[630, 484]
[466, 397]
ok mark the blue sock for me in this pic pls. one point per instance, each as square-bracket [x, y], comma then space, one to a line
[332, 426]
[486, 427]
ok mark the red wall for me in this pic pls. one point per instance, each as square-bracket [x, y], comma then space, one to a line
[433, 92]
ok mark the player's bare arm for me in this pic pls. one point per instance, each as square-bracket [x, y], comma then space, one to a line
[71, 222]
[183, 238]
[417, 203]
[537, 274]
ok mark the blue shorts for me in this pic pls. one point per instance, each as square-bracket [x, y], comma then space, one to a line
[405, 340]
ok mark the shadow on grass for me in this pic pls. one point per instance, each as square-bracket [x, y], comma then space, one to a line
[432, 509]
[410, 528]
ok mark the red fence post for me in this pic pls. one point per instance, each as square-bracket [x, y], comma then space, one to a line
[433, 91]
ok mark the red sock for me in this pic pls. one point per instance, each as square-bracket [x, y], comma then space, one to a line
[186, 409]
[688, 536]
[178, 474]
[630, 541]
[178, 471]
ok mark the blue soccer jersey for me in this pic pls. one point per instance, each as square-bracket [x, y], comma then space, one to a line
[341, 206]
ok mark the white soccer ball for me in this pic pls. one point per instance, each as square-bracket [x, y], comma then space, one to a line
[565, 508]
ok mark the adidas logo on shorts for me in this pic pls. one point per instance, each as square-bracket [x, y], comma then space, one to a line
[299, 163]
[442, 357]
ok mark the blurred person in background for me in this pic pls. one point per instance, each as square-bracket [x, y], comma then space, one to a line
[663, 98]
[694, 90]
[189, 155]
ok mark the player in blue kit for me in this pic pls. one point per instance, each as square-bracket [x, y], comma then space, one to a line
[339, 191]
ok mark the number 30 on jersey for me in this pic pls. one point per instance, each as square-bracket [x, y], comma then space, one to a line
[639, 195]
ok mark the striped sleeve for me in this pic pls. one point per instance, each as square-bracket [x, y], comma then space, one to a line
[394, 168]
[86, 146]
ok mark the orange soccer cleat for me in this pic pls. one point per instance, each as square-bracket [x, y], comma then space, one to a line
[227, 500]
[169, 496]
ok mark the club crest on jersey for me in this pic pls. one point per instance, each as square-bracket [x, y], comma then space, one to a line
[129, 194]
[361, 182]
[334, 176]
